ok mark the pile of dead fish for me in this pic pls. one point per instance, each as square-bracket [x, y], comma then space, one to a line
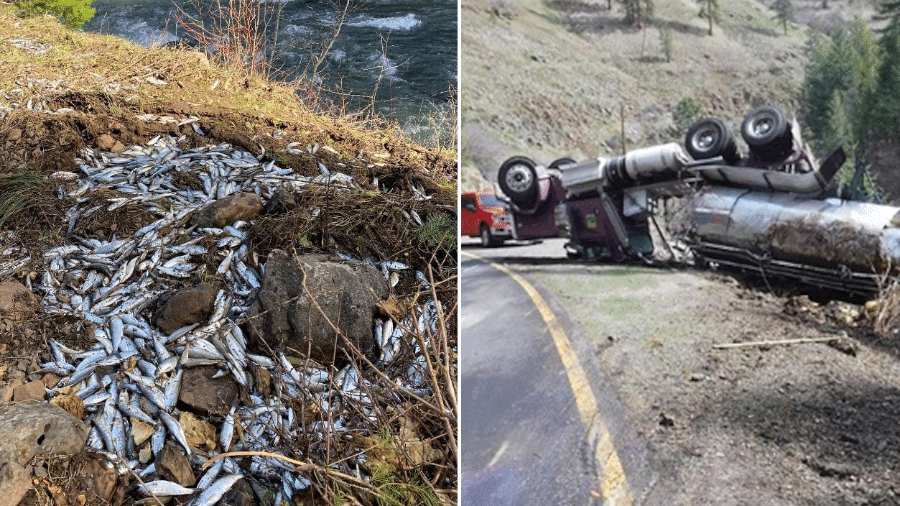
[133, 372]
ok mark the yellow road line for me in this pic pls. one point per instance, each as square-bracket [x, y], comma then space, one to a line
[614, 486]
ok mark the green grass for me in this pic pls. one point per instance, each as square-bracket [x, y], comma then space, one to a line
[19, 193]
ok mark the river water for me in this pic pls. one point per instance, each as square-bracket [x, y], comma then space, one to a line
[406, 49]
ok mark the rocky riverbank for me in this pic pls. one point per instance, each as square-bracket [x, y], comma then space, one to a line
[116, 161]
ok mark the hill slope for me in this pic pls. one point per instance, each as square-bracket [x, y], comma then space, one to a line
[563, 77]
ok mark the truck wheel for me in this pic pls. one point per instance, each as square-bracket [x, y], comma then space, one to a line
[560, 162]
[767, 133]
[709, 138]
[487, 240]
[518, 180]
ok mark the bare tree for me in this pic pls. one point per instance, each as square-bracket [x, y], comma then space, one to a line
[710, 10]
[784, 11]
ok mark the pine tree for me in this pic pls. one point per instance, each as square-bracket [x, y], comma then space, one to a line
[865, 66]
[784, 11]
[838, 132]
[843, 73]
[887, 107]
[889, 10]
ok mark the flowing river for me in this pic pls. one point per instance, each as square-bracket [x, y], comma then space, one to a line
[404, 49]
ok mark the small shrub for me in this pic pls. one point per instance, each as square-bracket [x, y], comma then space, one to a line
[686, 113]
[72, 13]
[437, 229]
[665, 40]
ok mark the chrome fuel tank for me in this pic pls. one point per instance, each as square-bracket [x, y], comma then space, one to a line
[832, 232]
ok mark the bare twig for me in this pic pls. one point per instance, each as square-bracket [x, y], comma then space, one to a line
[751, 344]
[301, 466]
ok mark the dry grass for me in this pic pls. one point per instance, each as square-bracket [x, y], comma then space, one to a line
[884, 311]
[42, 61]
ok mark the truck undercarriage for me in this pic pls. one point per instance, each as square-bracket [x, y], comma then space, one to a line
[768, 212]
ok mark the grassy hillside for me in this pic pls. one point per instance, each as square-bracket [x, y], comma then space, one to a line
[563, 77]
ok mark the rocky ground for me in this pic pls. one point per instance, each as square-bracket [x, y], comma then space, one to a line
[65, 92]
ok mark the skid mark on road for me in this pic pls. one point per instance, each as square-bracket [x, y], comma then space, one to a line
[613, 487]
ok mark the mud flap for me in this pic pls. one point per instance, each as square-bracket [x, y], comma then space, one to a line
[831, 167]
[613, 218]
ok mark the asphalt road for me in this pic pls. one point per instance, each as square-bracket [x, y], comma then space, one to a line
[523, 439]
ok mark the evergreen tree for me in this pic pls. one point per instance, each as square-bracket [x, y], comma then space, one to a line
[784, 11]
[842, 73]
[826, 72]
[865, 66]
[709, 9]
[887, 108]
[889, 10]
[838, 132]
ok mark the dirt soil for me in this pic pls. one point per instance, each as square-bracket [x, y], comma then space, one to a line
[800, 424]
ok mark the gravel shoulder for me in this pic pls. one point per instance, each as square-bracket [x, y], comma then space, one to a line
[800, 424]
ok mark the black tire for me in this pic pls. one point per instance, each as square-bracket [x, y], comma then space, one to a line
[709, 138]
[768, 134]
[487, 240]
[518, 180]
[560, 162]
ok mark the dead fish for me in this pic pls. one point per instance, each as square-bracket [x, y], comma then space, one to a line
[215, 492]
[163, 488]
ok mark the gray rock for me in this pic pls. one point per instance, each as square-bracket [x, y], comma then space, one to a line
[206, 395]
[15, 481]
[225, 211]
[189, 306]
[173, 465]
[28, 430]
[282, 201]
[241, 494]
[285, 316]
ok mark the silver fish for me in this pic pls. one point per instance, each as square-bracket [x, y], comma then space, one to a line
[163, 488]
[175, 429]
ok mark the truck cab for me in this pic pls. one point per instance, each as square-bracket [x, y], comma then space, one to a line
[484, 216]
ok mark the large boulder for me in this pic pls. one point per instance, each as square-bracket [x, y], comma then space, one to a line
[227, 210]
[186, 307]
[28, 430]
[285, 314]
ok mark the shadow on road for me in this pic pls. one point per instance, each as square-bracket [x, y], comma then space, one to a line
[509, 244]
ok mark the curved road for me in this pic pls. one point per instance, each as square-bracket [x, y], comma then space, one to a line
[527, 435]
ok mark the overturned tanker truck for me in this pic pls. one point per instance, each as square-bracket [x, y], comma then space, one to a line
[768, 211]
